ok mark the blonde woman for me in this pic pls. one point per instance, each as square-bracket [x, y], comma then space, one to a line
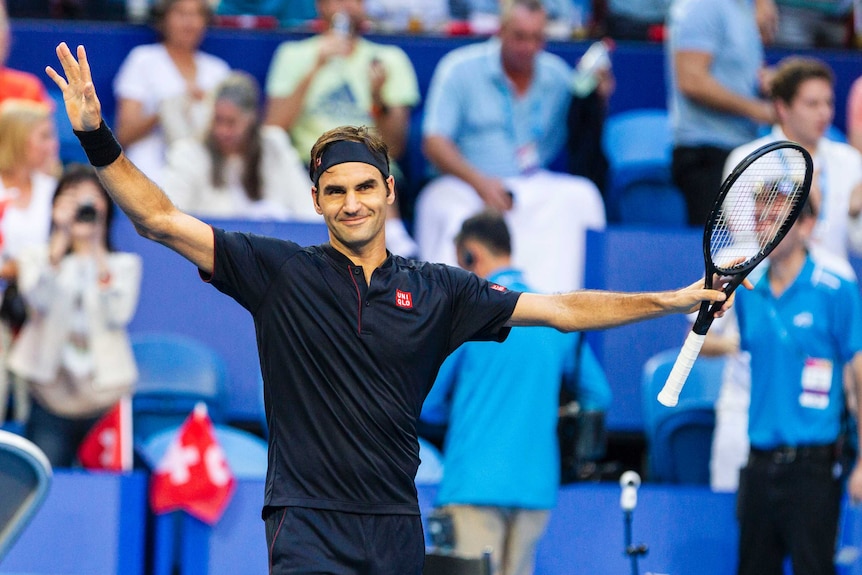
[163, 89]
[28, 144]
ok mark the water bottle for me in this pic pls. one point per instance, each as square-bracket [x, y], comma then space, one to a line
[341, 24]
[596, 59]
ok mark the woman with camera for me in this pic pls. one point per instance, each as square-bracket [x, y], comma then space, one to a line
[74, 351]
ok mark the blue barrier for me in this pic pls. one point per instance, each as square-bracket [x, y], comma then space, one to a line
[90, 523]
[93, 523]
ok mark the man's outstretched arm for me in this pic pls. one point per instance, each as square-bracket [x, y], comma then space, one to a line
[153, 214]
[595, 310]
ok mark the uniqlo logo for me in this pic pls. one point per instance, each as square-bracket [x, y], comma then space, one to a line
[403, 299]
[497, 287]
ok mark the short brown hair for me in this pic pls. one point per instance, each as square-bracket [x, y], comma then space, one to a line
[361, 134]
[791, 72]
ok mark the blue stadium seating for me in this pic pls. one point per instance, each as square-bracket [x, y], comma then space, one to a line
[679, 438]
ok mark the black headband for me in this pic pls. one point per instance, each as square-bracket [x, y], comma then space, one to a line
[344, 151]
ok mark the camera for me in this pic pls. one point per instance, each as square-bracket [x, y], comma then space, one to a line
[86, 213]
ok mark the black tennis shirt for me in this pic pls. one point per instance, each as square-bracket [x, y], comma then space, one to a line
[346, 365]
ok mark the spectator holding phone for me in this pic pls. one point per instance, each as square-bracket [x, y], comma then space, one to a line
[73, 351]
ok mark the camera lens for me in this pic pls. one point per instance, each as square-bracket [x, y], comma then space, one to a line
[86, 213]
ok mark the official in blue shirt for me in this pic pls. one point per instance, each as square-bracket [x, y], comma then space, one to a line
[801, 324]
[501, 464]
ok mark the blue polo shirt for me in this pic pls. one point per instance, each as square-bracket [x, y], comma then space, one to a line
[501, 445]
[799, 343]
[471, 102]
[727, 31]
[346, 365]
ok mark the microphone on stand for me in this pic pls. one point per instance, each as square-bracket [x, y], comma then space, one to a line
[629, 482]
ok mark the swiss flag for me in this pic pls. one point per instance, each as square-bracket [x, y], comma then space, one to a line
[108, 445]
[193, 475]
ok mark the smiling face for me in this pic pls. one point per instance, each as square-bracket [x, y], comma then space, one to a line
[353, 199]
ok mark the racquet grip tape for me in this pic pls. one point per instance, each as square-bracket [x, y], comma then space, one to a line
[669, 395]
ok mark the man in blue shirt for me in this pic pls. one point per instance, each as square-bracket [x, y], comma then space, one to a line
[801, 324]
[714, 59]
[494, 120]
[350, 339]
[501, 465]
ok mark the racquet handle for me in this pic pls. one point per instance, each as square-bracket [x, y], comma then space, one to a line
[669, 394]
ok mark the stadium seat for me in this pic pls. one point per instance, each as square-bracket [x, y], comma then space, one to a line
[637, 144]
[175, 373]
[25, 476]
[652, 204]
[445, 563]
[679, 438]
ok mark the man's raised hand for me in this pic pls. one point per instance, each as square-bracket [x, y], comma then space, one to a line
[79, 94]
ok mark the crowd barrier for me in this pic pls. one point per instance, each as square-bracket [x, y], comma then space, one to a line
[90, 524]
[173, 298]
[93, 524]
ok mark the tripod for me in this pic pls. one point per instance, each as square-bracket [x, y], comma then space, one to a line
[634, 552]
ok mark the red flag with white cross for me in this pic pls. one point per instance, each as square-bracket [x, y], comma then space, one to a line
[108, 445]
[194, 474]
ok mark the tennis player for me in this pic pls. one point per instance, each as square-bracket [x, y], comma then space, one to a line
[350, 339]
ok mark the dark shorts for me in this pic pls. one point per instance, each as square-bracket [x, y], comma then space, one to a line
[319, 541]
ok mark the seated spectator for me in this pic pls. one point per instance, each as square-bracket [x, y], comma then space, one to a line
[163, 89]
[27, 144]
[240, 169]
[338, 78]
[501, 458]
[494, 120]
[74, 351]
[15, 84]
[813, 23]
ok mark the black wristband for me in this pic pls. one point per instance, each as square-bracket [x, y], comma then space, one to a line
[100, 145]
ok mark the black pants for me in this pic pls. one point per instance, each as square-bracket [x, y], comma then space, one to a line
[697, 172]
[322, 542]
[788, 509]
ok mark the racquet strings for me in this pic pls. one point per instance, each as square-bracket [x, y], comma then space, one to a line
[756, 209]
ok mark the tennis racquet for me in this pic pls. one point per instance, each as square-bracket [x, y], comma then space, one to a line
[756, 206]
